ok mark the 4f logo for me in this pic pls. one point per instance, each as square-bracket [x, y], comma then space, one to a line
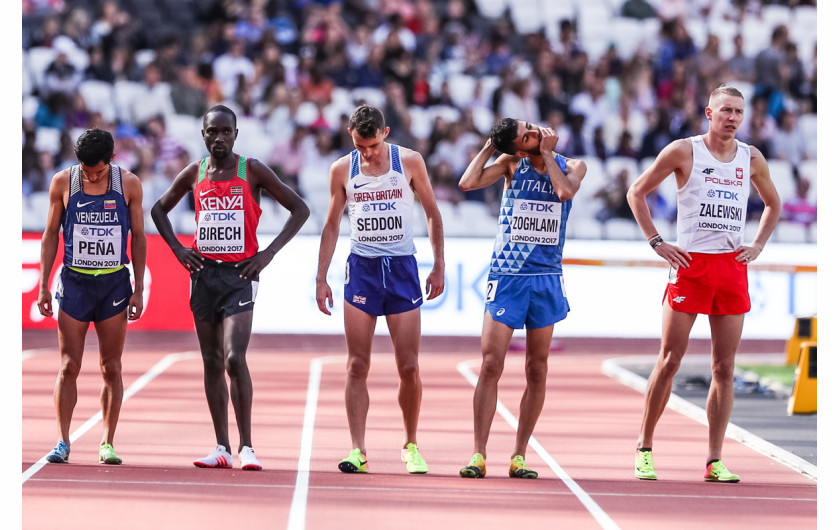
[709, 170]
[678, 299]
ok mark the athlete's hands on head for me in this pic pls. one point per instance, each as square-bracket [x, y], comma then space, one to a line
[548, 139]
[323, 295]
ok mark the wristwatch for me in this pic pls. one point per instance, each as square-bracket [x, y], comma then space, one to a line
[655, 241]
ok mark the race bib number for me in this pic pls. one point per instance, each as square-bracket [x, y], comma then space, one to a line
[492, 287]
[221, 232]
[96, 246]
[535, 222]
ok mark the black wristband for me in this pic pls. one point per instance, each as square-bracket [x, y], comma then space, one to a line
[655, 241]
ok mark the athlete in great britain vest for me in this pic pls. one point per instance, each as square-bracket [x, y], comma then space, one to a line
[226, 215]
[381, 210]
[96, 226]
[712, 206]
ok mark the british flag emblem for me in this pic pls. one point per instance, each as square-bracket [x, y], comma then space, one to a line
[359, 299]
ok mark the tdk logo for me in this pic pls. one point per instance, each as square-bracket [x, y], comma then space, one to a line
[709, 170]
[98, 231]
[220, 216]
[723, 194]
[379, 207]
[537, 207]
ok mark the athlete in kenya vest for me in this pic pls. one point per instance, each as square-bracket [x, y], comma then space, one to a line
[226, 215]
[532, 224]
[96, 226]
[712, 206]
[381, 210]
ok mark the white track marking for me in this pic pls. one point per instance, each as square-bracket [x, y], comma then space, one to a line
[297, 511]
[160, 367]
[597, 512]
[614, 369]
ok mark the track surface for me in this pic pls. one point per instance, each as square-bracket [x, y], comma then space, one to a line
[582, 447]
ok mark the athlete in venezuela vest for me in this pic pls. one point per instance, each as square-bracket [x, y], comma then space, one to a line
[532, 224]
[712, 206]
[226, 215]
[96, 227]
[381, 210]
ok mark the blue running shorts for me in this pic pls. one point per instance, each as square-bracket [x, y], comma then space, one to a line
[531, 302]
[93, 298]
[384, 285]
[217, 292]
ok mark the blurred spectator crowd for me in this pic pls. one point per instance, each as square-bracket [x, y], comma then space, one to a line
[618, 80]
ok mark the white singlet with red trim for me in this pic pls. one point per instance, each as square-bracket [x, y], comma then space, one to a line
[712, 206]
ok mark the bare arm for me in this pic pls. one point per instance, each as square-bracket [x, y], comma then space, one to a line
[760, 178]
[134, 198]
[672, 159]
[49, 240]
[181, 186]
[423, 187]
[329, 235]
[477, 176]
[263, 177]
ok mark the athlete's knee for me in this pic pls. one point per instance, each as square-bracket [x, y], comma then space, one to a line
[408, 371]
[70, 368]
[536, 371]
[723, 370]
[492, 368]
[669, 362]
[111, 369]
[358, 368]
[235, 364]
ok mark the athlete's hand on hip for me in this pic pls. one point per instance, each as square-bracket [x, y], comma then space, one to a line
[747, 254]
[250, 268]
[674, 255]
[323, 295]
[190, 259]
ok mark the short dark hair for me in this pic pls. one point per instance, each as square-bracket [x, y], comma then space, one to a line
[219, 108]
[94, 146]
[503, 134]
[367, 121]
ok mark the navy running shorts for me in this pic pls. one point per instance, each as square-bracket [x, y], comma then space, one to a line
[384, 285]
[93, 297]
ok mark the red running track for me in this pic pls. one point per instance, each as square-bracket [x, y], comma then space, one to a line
[583, 448]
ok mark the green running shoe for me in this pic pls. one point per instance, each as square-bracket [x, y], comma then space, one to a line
[414, 463]
[108, 456]
[355, 463]
[644, 465]
[717, 472]
[476, 467]
[519, 469]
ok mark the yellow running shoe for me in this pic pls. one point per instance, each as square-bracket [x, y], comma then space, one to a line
[414, 463]
[717, 472]
[519, 469]
[476, 467]
[355, 463]
[644, 465]
[108, 456]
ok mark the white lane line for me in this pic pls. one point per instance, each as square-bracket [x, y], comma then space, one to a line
[597, 512]
[614, 369]
[160, 367]
[436, 491]
[297, 511]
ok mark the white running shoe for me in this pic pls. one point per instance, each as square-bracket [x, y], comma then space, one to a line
[248, 459]
[219, 458]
